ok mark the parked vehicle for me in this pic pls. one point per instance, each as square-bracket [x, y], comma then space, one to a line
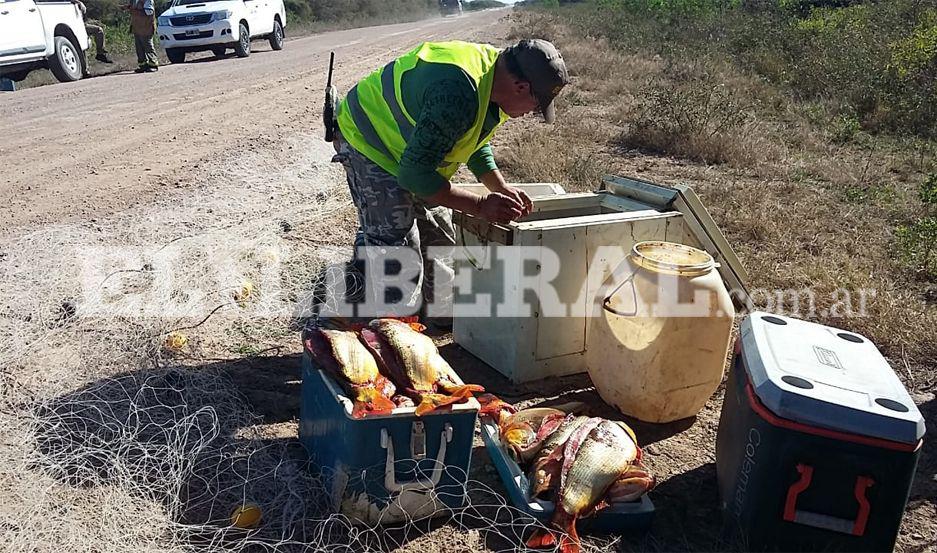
[42, 35]
[217, 25]
[450, 7]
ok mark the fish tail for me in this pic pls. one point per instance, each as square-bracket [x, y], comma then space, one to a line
[371, 402]
[542, 538]
[545, 537]
[569, 542]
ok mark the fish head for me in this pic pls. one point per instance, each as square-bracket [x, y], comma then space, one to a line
[494, 408]
[544, 476]
[518, 435]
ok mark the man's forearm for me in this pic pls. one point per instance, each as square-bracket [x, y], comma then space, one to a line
[458, 199]
[493, 180]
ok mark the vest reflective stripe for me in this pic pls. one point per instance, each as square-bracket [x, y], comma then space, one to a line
[374, 120]
[404, 125]
[364, 124]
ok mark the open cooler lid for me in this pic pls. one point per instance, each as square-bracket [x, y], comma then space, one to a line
[825, 377]
[682, 198]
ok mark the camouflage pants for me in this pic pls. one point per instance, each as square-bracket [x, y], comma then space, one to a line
[96, 30]
[389, 215]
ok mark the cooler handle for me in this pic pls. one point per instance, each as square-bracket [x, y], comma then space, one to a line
[390, 475]
[826, 522]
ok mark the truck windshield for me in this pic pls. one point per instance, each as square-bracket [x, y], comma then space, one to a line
[186, 2]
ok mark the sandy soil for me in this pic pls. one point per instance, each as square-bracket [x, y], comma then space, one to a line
[86, 149]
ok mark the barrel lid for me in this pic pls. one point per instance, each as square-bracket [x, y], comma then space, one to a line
[826, 377]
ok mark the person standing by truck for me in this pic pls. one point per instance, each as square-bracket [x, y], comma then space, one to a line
[143, 26]
[95, 29]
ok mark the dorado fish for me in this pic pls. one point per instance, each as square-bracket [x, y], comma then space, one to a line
[604, 457]
[410, 359]
[341, 354]
[524, 431]
[545, 470]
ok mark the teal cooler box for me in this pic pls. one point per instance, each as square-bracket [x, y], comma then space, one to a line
[385, 469]
[818, 440]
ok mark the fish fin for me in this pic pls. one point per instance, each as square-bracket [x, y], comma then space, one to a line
[463, 390]
[542, 538]
[630, 486]
[431, 402]
[371, 402]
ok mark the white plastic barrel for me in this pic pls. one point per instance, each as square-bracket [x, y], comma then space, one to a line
[658, 347]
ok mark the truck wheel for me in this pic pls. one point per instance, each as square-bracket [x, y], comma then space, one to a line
[65, 63]
[219, 51]
[175, 55]
[243, 46]
[276, 37]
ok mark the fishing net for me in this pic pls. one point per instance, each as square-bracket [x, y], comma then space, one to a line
[117, 438]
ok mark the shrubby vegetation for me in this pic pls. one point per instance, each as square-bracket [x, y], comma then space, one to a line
[876, 62]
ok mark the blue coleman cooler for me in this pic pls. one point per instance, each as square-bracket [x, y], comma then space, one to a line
[387, 468]
[818, 440]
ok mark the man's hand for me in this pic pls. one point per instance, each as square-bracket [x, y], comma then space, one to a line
[518, 196]
[494, 181]
[500, 208]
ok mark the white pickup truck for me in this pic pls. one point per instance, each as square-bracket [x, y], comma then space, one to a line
[42, 34]
[216, 25]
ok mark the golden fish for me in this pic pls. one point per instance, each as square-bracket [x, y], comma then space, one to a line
[341, 354]
[412, 361]
[524, 431]
[591, 466]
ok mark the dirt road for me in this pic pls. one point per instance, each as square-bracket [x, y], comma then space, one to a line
[90, 148]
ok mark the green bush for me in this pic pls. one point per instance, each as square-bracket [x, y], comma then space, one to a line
[875, 62]
[917, 241]
[483, 5]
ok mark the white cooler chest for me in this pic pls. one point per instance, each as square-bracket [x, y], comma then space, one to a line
[576, 226]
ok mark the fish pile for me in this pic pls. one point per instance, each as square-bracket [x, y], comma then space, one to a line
[387, 364]
[582, 464]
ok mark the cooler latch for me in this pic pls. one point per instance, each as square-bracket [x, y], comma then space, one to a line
[417, 441]
[827, 522]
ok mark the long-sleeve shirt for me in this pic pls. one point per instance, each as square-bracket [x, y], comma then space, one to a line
[443, 101]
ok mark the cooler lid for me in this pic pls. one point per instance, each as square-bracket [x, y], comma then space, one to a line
[826, 377]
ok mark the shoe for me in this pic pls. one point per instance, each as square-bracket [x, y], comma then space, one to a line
[140, 69]
[151, 68]
[104, 58]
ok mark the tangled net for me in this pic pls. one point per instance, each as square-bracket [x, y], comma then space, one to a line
[112, 443]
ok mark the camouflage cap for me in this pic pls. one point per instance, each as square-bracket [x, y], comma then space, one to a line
[539, 62]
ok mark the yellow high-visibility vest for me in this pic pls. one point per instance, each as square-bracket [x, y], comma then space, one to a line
[374, 120]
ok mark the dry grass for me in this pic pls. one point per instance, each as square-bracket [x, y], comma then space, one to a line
[803, 209]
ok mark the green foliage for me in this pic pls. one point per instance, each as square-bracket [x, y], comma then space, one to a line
[928, 191]
[845, 129]
[870, 62]
[917, 243]
[483, 5]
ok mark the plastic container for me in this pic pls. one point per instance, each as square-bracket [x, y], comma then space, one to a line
[818, 440]
[633, 515]
[658, 348]
[390, 468]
